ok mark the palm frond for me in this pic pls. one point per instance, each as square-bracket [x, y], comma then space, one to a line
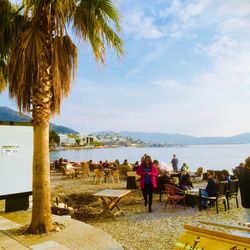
[11, 23]
[64, 64]
[3, 76]
[23, 66]
[92, 20]
[61, 12]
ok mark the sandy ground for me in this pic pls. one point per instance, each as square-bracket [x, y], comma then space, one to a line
[139, 229]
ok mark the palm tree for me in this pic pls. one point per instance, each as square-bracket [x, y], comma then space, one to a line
[38, 60]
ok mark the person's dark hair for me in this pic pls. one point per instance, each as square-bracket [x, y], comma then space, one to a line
[225, 172]
[155, 162]
[247, 162]
[210, 172]
[150, 160]
[174, 155]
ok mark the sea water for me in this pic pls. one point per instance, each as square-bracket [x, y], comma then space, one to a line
[216, 157]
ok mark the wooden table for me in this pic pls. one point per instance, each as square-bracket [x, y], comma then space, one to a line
[111, 198]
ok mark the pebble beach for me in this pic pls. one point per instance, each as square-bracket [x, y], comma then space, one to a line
[138, 229]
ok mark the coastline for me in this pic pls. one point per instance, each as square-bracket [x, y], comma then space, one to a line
[82, 147]
[115, 146]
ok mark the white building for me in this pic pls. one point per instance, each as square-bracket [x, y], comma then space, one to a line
[65, 139]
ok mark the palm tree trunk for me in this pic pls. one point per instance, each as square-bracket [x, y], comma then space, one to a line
[41, 221]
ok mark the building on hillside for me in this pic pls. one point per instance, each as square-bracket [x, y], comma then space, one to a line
[86, 139]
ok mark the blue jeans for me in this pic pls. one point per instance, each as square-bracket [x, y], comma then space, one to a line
[204, 202]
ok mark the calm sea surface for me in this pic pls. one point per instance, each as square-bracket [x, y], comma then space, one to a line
[208, 156]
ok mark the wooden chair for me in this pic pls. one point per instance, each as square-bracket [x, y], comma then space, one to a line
[221, 196]
[174, 195]
[98, 176]
[232, 192]
[115, 175]
[85, 168]
[67, 172]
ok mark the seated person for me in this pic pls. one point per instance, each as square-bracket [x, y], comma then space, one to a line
[105, 164]
[184, 166]
[99, 165]
[117, 162]
[124, 168]
[69, 166]
[125, 163]
[136, 165]
[225, 175]
[165, 178]
[156, 163]
[184, 179]
[174, 181]
[211, 189]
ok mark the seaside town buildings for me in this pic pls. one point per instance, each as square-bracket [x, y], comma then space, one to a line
[80, 139]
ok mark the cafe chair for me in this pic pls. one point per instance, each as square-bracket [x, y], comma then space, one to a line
[174, 195]
[67, 172]
[160, 188]
[232, 192]
[85, 168]
[221, 196]
[98, 176]
[115, 175]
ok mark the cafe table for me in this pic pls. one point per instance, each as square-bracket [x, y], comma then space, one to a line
[192, 197]
[111, 198]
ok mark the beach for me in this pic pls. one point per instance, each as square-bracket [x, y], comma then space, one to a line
[138, 229]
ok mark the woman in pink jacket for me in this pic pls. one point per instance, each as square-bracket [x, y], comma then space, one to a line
[148, 172]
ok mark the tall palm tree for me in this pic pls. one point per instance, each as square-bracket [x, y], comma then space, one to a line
[38, 60]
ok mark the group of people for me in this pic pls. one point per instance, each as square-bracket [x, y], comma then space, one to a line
[148, 172]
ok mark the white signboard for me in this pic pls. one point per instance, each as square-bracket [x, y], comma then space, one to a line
[16, 155]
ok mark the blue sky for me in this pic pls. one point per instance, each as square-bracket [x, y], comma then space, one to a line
[186, 70]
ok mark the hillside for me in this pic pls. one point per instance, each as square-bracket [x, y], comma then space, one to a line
[187, 139]
[7, 114]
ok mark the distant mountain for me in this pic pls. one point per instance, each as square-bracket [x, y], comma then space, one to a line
[7, 114]
[186, 139]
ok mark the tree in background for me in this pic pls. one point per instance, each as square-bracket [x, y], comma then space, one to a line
[78, 140]
[38, 60]
[54, 138]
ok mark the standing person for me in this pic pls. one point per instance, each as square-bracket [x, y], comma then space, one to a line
[244, 183]
[174, 163]
[148, 172]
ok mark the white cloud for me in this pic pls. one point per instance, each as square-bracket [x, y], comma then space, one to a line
[169, 84]
[141, 26]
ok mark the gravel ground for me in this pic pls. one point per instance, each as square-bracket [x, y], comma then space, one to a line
[140, 229]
